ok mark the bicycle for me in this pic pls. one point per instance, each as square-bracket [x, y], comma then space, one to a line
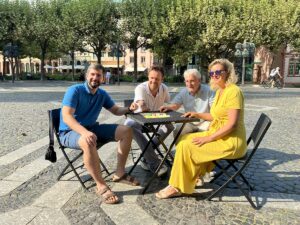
[268, 83]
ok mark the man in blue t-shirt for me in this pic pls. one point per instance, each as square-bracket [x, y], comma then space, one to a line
[78, 129]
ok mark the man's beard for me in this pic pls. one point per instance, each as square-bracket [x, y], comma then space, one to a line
[94, 84]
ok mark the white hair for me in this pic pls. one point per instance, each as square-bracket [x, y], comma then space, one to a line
[193, 72]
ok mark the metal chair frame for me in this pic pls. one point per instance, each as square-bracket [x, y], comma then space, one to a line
[54, 120]
[238, 165]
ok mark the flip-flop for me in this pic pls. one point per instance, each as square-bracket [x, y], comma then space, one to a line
[105, 194]
[162, 194]
[126, 179]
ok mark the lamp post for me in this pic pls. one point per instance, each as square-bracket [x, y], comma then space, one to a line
[117, 50]
[244, 50]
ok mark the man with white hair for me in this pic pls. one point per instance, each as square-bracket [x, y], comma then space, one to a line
[196, 97]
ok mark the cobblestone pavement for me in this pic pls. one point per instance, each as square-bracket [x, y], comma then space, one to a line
[30, 193]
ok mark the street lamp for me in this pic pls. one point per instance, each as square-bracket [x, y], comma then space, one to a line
[117, 51]
[244, 50]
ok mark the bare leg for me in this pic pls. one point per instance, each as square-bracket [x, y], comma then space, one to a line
[92, 164]
[124, 136]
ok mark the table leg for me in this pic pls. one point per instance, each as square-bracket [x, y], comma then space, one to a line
[144, 150]
[164, 159]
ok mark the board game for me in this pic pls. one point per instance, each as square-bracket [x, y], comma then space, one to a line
[155, 115]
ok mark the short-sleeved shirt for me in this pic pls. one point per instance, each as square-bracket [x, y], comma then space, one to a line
[142, 92]
[201, 102]
[87, 105]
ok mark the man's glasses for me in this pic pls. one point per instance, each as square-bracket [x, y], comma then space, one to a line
[216, 74]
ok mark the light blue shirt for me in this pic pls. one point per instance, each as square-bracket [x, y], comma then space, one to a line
[201, 102]
[87, 105]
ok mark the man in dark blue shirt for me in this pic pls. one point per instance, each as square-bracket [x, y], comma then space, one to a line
[81, 107]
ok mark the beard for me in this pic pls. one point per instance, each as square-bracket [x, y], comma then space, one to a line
[94, 84]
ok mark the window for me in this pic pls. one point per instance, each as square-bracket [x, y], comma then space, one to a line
[131, 59]
[143, 59]
[294, 68]
[102, 54]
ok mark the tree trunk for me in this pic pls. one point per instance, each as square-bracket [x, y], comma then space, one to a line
[43, 56]
[73, 60]
[12, 69]
[30, 65]
[135, 65]
[17, 68]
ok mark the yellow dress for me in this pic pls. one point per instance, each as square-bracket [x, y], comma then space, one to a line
[192, 160]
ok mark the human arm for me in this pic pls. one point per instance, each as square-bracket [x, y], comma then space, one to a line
[233, 117]
[203, 116]
[119, 111]
[170, 107]
[68, 118]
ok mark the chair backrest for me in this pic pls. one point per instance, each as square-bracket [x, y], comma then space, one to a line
[127, 102]
[260, 129]
[54, 118]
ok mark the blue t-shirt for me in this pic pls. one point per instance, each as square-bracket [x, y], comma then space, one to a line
[87, 105]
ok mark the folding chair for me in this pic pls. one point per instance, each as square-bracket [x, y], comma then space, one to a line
[238, 165]
[54, 119]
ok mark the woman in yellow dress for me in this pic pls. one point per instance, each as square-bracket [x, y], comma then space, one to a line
[226, 137]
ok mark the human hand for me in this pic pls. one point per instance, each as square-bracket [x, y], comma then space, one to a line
[133, 107]
[164, 108]
[90, 138]
[201, 140]
[190, 115]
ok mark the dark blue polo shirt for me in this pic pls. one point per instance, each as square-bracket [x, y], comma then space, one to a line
[87, 105]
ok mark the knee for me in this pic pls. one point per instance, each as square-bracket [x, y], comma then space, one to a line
[85, 147]
[124, 132]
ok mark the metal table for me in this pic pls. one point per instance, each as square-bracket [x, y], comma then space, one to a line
[152, 125]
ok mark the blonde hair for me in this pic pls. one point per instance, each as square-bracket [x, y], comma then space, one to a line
[231, 77]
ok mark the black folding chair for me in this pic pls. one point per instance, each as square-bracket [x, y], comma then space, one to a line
[54, 119]
[238, 165]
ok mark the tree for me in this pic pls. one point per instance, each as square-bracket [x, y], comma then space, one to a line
[14, 15]
[71, 36]
[135, 25]
[98, 19]
[44, 26]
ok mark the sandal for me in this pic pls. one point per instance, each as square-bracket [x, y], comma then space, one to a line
[126, 179]
[106, 195]
[164, 193]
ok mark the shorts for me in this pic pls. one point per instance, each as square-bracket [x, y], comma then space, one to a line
[105, 133]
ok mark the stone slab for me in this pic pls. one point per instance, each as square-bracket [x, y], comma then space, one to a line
[57, 195]
[21, 152]
[20, 216]
[50, 217]
[8, 186]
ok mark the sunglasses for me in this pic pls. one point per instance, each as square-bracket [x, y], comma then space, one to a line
[216, 74]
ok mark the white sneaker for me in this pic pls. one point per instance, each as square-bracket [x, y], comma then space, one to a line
[145, 166]
[163, 170]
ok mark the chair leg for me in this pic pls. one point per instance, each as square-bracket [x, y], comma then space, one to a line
[104, 167]
[74, 170]
[244, 179]
[63, 172]
[232, 179]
